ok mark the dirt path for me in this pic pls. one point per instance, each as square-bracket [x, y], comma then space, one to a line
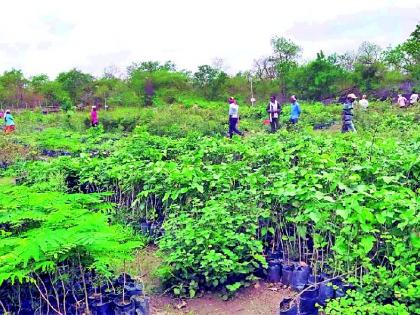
[259, 299]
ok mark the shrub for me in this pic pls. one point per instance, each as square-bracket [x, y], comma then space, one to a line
[41, 231]
[209, 248]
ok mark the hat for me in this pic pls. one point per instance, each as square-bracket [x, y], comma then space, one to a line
[351, 95]
[93, 107]
[231, 100]
[293, 98]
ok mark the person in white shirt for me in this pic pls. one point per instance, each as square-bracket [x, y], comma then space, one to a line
[233, 117]
[274, 110]
[402, 101]
[414, 98]
[364, 103]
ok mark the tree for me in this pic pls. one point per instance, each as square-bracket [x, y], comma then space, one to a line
[150, 66]
[209, 81]
[285, 57]
[77, 84]
[55, 95]
[12, 84]
[347, 60]
[151, 79]
[38, 81]
[369, 53]
[264, 68]
[369, 68]
[406, 56]
[320, 78]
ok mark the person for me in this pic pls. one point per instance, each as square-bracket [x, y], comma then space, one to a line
[273, 110]
[1, 113]
[9, 122]
[94, 117]
[402, 101]
[414, 98]
[295, 112]
[347, 115]
[233, 117]
[364, 103]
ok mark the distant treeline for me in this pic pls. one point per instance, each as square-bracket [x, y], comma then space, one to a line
[368, 69]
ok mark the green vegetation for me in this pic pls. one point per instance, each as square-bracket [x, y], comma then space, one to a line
[345, 204]
[75, 201]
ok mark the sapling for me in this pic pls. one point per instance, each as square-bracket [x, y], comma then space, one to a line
[84, 284]
[45, 296]
[64, 290]
[5, 312]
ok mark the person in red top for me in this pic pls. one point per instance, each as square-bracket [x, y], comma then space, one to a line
[94, 117]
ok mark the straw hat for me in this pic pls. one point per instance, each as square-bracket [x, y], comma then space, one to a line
[352, 95]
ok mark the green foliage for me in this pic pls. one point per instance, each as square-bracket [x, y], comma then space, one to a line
[41, 230]
[75, 83]
[211, 248]
[209, 81]
[285, 58]
[355, 196]
[357, 303]
[12, 84]
[318, 79]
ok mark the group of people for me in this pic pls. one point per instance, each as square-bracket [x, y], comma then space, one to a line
[403, 102]
[10, 126]
[347, 114]
[274, 109]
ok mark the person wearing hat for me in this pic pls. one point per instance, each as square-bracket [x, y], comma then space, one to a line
[9, 122]
[273, 110]
[347, 115]
[295, 111]
[233, 117]
[94, 120]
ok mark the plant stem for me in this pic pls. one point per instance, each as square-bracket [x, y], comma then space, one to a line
[84, 284]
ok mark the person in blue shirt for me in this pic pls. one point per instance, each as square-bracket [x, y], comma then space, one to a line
[9, 122]
[295, 112]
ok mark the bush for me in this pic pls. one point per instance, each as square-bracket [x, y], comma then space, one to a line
[177, 121]
[209, 248]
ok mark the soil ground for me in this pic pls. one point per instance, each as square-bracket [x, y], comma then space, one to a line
[259, 299]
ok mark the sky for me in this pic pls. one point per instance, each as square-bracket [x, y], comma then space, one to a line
[43, 36]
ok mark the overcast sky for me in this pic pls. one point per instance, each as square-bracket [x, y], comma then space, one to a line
[43, 36]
